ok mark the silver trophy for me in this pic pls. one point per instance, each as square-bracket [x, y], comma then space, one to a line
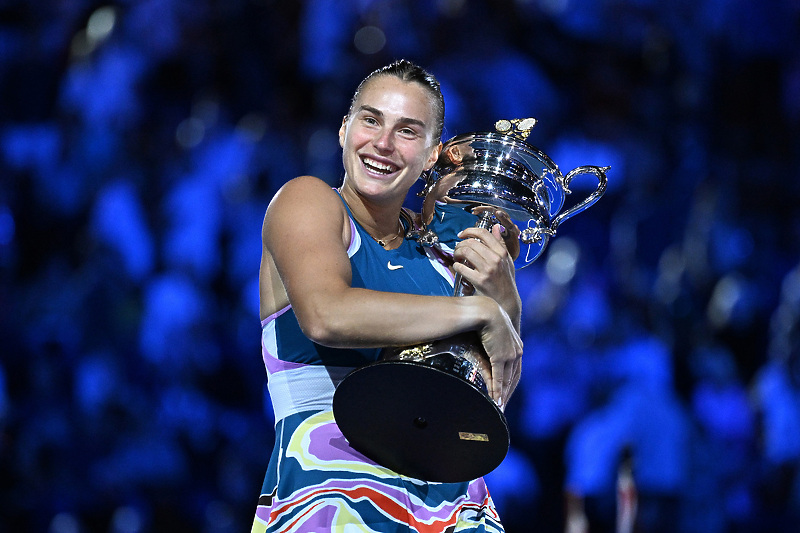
[423, 411]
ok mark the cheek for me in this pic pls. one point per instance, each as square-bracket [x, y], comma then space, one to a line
[353, 140]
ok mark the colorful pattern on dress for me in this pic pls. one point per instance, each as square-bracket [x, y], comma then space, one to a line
[315, 482]
[327, 486]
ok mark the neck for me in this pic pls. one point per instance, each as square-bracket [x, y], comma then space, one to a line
[381, 221]
[379, 218]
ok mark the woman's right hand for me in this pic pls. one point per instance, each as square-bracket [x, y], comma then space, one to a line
[503, 345]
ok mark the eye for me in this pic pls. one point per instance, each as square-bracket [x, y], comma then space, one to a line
[408, 132]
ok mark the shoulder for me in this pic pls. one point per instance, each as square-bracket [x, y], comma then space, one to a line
[309, 186]
[306, 193]
[306, 201]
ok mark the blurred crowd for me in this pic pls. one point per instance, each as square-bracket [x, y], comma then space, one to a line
[141, 141]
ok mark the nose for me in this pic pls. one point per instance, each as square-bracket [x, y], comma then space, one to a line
[383, 140]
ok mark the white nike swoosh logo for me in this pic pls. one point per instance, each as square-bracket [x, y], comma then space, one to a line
[390, 266]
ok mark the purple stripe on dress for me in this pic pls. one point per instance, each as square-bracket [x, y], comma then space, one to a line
[477, 490]
[275, 365]
[275, 315]
[262, 513]
[329, 445]
[400, 496]
[351, 246]
[437, 256]
[271, 361]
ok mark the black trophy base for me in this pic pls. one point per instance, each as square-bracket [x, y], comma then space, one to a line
[421, 422]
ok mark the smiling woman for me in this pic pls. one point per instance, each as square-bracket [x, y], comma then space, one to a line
[369, 287]
[387, 143]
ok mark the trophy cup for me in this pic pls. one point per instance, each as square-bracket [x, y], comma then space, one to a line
[423, 411]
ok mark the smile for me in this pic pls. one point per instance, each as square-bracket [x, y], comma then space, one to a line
[378, 167]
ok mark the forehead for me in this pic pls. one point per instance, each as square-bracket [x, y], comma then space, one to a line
[397, 98]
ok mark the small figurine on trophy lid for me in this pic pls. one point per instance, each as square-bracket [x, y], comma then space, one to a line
[424, 411]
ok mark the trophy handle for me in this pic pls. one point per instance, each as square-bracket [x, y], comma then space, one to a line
[532, 235]
[600, 172]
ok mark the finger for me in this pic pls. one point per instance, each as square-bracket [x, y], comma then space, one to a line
[494, 240]
[487, 237]
[484, 242]
[513, 246]
[498, 231]
[510, 227]
[509, 233]
[512, 378]
[496, 389]
[472, 254]
[485, 370]
[475, 269]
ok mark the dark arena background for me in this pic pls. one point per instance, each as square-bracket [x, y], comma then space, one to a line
[141, 141]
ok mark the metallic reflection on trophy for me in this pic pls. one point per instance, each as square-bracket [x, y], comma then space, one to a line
[501, 170]
[424, 411]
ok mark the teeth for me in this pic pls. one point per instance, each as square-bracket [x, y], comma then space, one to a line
[379, 166]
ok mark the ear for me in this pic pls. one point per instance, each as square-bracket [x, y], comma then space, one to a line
[342, 130]
[434, 156]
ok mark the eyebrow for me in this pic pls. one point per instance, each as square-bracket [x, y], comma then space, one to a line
[403, 120]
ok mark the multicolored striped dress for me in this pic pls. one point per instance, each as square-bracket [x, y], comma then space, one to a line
[315, 481]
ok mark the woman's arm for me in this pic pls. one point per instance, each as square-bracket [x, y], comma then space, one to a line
[305, 236]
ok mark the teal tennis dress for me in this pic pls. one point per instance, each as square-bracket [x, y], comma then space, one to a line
[315, 481]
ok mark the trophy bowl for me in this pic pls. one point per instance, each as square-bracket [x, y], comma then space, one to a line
[502, 170]
[423, 411]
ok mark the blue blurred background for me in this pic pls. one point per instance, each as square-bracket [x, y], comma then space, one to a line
[140, 142]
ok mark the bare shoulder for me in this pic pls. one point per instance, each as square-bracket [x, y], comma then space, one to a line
[305, 210]
[306, 218]
[305, 189]
[306, 197]
[307, 183]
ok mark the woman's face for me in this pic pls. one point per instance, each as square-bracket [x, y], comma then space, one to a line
[387, 139]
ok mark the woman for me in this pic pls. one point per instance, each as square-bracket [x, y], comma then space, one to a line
[338, 281]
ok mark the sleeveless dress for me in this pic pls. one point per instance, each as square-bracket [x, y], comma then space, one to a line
[315, 482]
